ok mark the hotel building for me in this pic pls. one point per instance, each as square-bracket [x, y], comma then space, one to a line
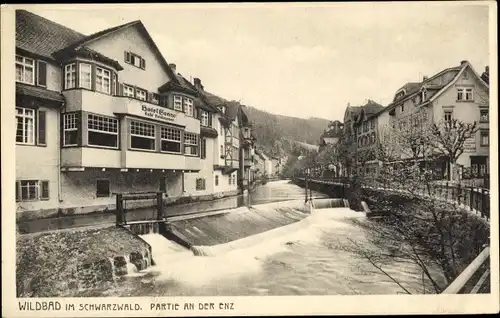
[103, 114]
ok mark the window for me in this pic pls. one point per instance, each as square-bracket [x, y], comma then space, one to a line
[128, 91]
[135, 60]
[200, 184]
[70, 129]
[141, 94]
[484, 116]
[203, 148]
[448, 115]
[229, 180]
[102, 188]
[85, 73]
[234, 178]
[204, 118]
[216, 180]
[424, 95]
[29, 190]
[188, 106]
[102, 131]
[485, 138]
[402, 108]
[170, 140]
[142, 135]
[155, 98]
[103, 80]
[163, 184]
[114, 84]
[222, 152]
[464, 94]
[25, 70]
[25, 130]
[191, 144]
[70, 76]
[178, 102]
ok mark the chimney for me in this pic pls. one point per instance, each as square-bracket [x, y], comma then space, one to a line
[425, 78]
[487, 69]
[197, 84]
[463, 62]
[173, 67]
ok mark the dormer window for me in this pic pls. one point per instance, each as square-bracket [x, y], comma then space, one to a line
[188, 106]
[140, 94]
[178, 103]
[135, 60]
[25, 70]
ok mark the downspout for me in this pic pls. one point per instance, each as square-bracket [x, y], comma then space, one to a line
[59, 154]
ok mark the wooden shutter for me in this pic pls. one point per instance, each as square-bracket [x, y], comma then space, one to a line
[120, 89]
[127, 57]
[210, 119]
[79, 127]
[41, 128]
[163, 184]
[143, 63]
[149, 97]
[42, 74]
[44, 190]
[18, 192]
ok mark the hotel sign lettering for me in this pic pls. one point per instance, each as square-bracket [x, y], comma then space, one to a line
[470, 144]
[158, 113]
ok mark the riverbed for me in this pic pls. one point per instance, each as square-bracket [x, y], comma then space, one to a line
[317, 259]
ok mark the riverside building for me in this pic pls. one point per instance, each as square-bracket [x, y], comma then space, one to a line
[103, 114]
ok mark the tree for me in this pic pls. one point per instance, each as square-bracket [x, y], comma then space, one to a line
[448, 138]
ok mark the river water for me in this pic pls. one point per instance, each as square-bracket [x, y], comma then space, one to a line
[314, 260]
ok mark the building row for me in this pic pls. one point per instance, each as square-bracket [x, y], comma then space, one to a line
[457, 92]
[105, 113]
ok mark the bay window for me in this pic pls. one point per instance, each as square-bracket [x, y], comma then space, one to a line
[103, 80]
[188, 106]
[70, 76]
[70, 129]
[170, 140]
[85, 73]
[25, 70]
[25, 129]
[142, 135]
[178, 103]
[102, 131]
[191, 144]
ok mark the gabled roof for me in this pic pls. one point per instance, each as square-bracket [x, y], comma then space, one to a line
[144, 32]
[41, 36]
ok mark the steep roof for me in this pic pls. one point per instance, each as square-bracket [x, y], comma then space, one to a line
[41, 36]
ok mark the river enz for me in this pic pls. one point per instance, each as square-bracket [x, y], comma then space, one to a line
[314, 259]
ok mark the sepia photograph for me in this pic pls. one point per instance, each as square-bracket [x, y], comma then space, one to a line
[224, 150]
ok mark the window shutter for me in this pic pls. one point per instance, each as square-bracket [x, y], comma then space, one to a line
[163, 184]
[210, 119]
[44, 193]
[150, 97]
[18, 194]
[120, 89]
[41, 128]
[127, 57]
[42, 74]
[143, 63]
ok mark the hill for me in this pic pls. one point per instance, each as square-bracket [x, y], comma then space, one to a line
[276, 134]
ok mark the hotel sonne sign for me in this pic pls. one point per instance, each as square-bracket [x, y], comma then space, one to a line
[157, 113]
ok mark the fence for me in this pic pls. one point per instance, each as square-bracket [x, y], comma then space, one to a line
[472, 198]
[123, 198]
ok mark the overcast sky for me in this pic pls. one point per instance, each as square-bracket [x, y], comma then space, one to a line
[302, 61]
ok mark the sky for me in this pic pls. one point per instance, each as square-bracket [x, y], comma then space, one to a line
[301, 60]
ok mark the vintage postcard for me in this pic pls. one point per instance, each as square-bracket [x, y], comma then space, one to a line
[249, 159]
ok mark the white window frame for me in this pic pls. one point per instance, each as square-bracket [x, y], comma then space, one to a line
[178, 103]
[188, 106]
[127, 89]
[484, 133]
[109, 127]
[141, 94]
[70, 76]
[143, 127]
[105, 74]
[448, 112]
[82, 71]
[69, 124]
[27, 117]
[172, 137]
[191, 140]
[481, 111]
[25, 65]
[469, 92]
[35, 184]
[204, 118]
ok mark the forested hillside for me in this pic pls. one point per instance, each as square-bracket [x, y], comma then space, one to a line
[274, 133]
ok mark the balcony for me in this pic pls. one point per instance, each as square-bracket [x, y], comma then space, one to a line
[229, 166]
[247, 162]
